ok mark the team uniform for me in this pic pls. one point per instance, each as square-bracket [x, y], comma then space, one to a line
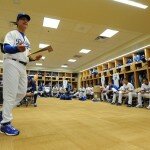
[128, 89]
[109, 89]
[82, 94]
[116, 79]
[14, 75]
[103, 81]
[146, 89]
[89, 92]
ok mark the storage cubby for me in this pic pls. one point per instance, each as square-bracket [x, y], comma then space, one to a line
[105, 67]
[127, 66]
[119, 62]
[61, 74]
[139, 75]
[147, 54]
[99, 69]
[130, 76]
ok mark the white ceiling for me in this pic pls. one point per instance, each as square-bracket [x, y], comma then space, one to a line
[81, 21]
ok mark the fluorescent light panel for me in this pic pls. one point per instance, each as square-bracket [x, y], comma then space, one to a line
[84, 51]
[72, 60]
[109, 33]
[43, 57]
[43, 45]
[132, 3]
[38, 64]
[64, 66]
[51, 23]
[117, 57]
[1, 61]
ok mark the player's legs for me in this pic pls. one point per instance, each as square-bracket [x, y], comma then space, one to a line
[139, 100]
[10, 87]
[22, 87]
[102, 96]
[114, 98]
[120, 97]
[107, 98]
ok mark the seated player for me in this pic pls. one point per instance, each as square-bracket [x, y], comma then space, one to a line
[31, 91]
[108, 91]
[55, 91]
[144, 93]
[116, 94]
[41, 89]
[89, 92]
[61, 91]
[126, 91]
[47, 91]
[82, 94]
[66, 95]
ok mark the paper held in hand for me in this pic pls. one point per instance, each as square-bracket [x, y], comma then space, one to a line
[42, 51]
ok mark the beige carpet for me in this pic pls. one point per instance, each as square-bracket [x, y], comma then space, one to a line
[76, 125]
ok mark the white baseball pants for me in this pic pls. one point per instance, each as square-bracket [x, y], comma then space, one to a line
[14, 87]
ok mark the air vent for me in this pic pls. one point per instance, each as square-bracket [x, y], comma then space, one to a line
[16, 1]
[101, 38]
[77, 56]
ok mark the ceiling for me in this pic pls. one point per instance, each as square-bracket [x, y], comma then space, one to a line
[81, 21]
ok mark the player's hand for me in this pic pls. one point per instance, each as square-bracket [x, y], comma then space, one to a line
[38, 57]
[21, 47]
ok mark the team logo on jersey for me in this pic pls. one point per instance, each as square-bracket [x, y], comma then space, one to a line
[27, 45]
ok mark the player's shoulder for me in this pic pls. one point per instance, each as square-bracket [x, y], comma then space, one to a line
[130, 84]
[13, 32]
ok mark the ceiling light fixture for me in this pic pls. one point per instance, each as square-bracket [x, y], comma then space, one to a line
[51, 23]
[43, 45]
[72, 60]
[109, 33]
[38, 64]
[64, 66]
[84, 51]
[132, 3]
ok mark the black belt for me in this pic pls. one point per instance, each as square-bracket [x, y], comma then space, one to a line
[24, 63]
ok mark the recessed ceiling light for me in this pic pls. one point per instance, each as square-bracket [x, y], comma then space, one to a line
[1, 61]
[72, 60]
[43, 57]
[109, 33]
[85, 51]
[132, 3]
[43, 45]
[64, 66]
[38, 64]
[51, 23]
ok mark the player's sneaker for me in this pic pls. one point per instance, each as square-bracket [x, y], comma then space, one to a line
[35, 105]
[139, 106]
[148, 107]
[9, 130]
[129, 105]
[118, 104]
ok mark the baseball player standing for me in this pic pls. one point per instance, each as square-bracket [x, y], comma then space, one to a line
[16, 48]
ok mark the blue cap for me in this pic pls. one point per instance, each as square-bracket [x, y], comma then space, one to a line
[21, 15]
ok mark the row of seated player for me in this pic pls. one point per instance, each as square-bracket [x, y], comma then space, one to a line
[115, 95]
[84, 93]
[55, 91]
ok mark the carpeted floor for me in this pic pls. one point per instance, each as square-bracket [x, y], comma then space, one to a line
[76, 125]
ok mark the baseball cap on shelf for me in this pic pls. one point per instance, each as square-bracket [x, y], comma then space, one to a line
[22, 15]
